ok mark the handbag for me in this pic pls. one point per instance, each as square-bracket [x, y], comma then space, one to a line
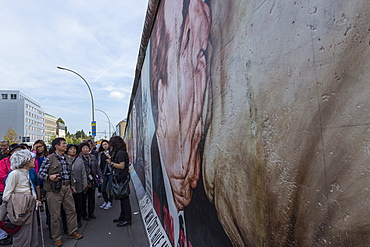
[121, 189]
[20, 208]
[5, 223]
[9, 227]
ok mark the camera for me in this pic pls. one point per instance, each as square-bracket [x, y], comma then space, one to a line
[58, 184]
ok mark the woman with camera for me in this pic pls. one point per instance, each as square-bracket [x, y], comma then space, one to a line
[93, 175]
[79, 174]
[119, 162]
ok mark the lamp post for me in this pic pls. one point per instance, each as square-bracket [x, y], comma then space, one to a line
[114, 128]
[93, 124]
[108, 120]
[27, 128]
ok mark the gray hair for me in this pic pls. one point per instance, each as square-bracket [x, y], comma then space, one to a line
[20, 158]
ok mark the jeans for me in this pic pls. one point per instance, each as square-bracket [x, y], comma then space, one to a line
[107, 181]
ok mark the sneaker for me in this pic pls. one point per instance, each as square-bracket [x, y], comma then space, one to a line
[99, 195]
[76, 235]
[108, 206]
[104, 205]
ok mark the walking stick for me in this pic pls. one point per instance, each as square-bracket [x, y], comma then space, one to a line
[42, 231]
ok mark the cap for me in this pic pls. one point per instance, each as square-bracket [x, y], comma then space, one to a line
[14, 146]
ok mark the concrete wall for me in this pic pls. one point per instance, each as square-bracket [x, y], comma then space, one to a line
[250, 122]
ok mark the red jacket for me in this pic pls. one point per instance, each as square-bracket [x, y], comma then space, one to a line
[4, 169]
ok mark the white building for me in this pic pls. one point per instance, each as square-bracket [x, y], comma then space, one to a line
[50, 127]
[23, 114]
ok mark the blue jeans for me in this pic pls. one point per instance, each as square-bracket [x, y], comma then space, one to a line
[107, 181]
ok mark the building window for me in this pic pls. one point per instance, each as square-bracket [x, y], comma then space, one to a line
[4, 96]
[13, 96]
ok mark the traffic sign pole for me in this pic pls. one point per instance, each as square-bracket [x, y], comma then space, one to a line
[93, 128]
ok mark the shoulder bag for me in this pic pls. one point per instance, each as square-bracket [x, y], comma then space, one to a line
[121, 189]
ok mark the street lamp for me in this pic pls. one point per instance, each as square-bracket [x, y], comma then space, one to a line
[114, 128]
[108, 119]
[25, 136]
[93, 124]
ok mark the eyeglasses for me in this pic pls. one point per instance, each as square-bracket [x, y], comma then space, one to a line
[38, 147]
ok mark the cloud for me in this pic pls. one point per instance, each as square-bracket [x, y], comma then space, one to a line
[99, 40]
[116, 95]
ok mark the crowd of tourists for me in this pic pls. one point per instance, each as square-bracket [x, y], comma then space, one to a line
[61, 182]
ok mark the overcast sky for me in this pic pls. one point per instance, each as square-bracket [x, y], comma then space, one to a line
[98, 39]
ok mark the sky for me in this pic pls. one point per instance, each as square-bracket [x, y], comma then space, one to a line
[99, 40]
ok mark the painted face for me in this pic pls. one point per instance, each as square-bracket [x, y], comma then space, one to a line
[181, 95]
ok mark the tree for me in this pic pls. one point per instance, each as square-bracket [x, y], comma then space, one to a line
[81, 134]
[11, 136]
[73, 140]
[52, 137]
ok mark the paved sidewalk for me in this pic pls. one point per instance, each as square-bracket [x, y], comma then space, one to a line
[103, 232]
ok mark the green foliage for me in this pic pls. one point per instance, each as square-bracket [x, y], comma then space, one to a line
[11, 136]
[73, 140]
[51, 139]
[76, 138]
[81, 134]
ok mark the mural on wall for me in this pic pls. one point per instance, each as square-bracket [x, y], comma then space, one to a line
[250, 123]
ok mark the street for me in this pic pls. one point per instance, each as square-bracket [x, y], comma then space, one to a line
[102, 231]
